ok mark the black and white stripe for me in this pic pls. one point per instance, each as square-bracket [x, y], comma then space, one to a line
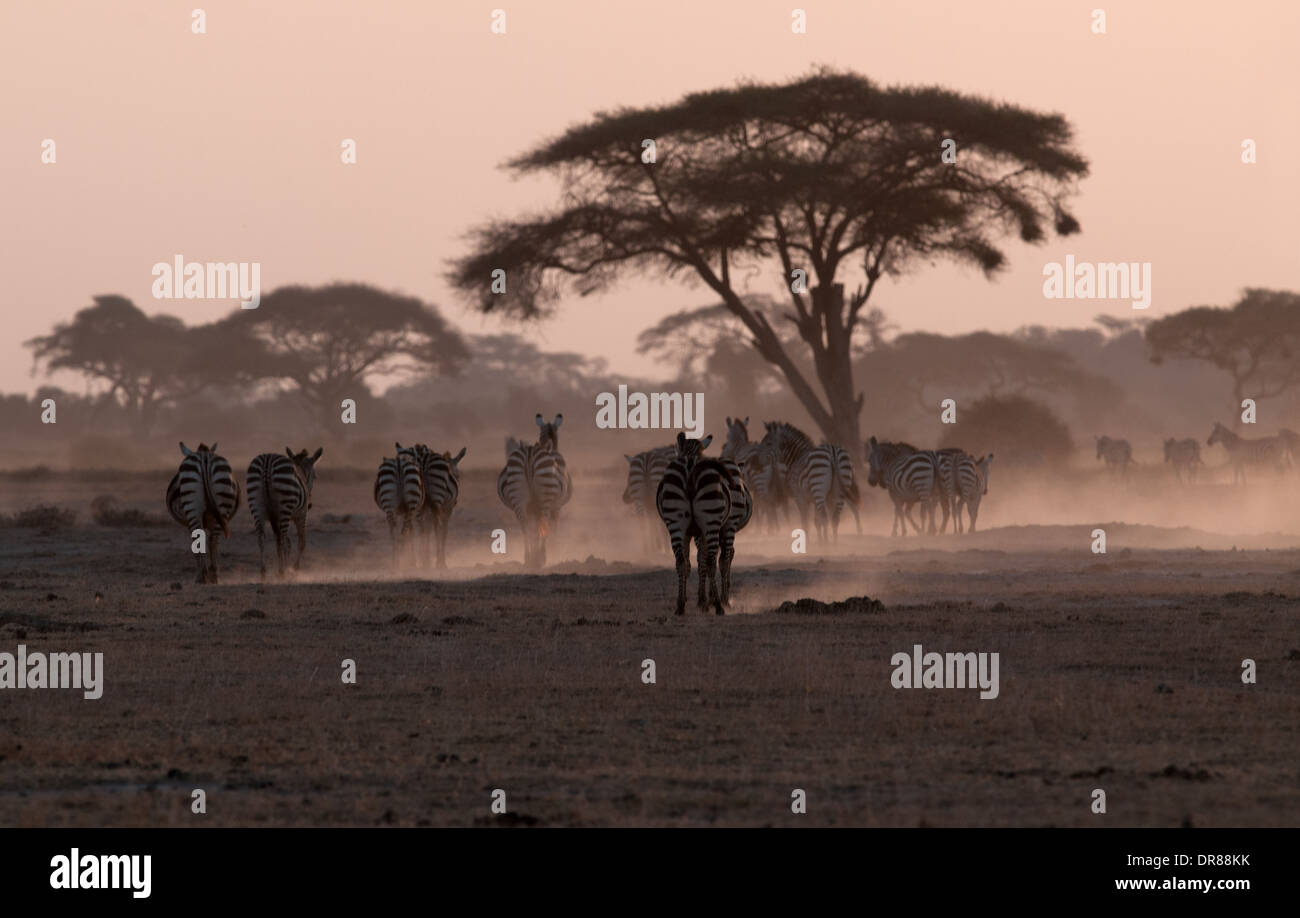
[203, 494]
[742, 510]
[910, 476]
[399, 492]
[971, 483]
[1185, 456]
[534, 486]
[694, 502]
[440, 475]
[644, 472]
[1260, 453]
[279, 493]
[824, 478]
[786, 447]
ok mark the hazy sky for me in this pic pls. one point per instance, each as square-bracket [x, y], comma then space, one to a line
[225, 146]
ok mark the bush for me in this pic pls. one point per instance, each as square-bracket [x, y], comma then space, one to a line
[1019, 430]
[41, 516]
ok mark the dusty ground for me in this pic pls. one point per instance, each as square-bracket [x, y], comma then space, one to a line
[1119, 671]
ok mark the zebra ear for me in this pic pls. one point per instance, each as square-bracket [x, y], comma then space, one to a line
[681, 441]
[872, 441]
[540, 421]
[213, 447]
[318, 454]
[559, 419]
[288, 452]
[704, 444]
[186, 450]
[746, 420]
[459, 456]
[398, 445]
[728, 420]
[627, 457]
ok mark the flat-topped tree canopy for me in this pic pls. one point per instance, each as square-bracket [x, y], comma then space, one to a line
[830, 174]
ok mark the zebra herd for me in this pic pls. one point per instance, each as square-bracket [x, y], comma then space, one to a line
[1278, 453]
[707, 501]
[204, 495]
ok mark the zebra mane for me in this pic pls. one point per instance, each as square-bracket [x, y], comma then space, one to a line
[780, 433]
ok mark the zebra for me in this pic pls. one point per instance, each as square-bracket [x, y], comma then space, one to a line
[534, 485]
[440, 476]
[824, 477]
[758, 469]
[644, 472]
[1185, 456]
[1117, 453]
[909, 475]
[1243, 452]
[694, 502]
[399, 491]
[786, 447]
[279, 492]
[949, 496]
[971, 483]
[204, 494]
[742, 510]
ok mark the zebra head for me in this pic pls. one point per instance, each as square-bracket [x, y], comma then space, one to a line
[689, 451]
[307, 466]
[549, 438]
[875, 464]
[984, 470]
[1103, 443]
[737, 437]
[1169, 449]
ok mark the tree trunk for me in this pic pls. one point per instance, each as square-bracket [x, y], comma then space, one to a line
[835, 369]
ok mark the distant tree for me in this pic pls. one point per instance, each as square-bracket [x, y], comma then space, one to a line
[830, 175]
[329, 341]
[1256, 341]
[1019, 430]
[146, 361]
[925, 368]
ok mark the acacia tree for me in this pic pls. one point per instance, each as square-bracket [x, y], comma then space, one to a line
[1256, 341]
[830, 175]
[147, 361]
[330, 340]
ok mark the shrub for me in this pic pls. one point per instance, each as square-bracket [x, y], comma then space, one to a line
[1019, 430]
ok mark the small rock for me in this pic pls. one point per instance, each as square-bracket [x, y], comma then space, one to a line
[252, 613]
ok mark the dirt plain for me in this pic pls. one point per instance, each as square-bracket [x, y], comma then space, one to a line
[1119, 671]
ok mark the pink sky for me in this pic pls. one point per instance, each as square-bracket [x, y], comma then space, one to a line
[225, 146]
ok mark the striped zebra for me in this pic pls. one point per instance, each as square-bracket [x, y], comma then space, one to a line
[971, 483]
[946, 466]
[279, 492]
[1243, 452]
[440, 475]
[534, 485]
[758, 468]
[399, 492]
[1116, 453]
[694, 502]
[1185, 455]
[203, 494]
[742, 510]
[910, 476]
[786, 447]
[644, 472]
[824, 476]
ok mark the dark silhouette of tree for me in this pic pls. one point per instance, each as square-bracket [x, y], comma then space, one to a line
[925, 368]
[330, 340]
[1256, 341]
[830, 175]
[147, 361]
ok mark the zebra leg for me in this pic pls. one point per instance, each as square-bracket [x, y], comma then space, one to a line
[973, 505]
[709, 567]
[392, 536]
[282, 544]
[702, 599]
[201, 561]
[724, 565]
[682, 557]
